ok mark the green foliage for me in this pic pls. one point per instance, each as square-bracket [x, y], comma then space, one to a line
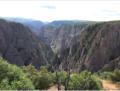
[13, 78]
[31, 72]
[116, 76]
[105, 75]
[113, 75]
[61, 76]
[42, 79]
[84, 81]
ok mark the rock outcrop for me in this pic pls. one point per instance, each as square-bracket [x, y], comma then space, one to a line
[98, 46]
[21, 46]
[59, 34]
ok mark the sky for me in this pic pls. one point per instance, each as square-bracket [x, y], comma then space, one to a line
[49, 10]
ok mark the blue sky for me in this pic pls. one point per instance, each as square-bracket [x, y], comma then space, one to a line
[62, 10]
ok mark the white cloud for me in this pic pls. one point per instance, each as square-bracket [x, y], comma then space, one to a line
[57, 10]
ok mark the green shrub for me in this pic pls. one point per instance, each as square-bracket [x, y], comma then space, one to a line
[45, 79]
[31, 72]
[106, 75]
[115, 76]
[41, 79]
[84, 81]
[12, 77]
[61, 76]
[111, 75]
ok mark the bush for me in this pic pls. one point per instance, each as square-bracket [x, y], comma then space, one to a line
[42, 79]
[115, 76]
[61, 76]
[13, 78]
[112, 75]
[31, 72]
[106, 75]
[84, 81]
[45, 79]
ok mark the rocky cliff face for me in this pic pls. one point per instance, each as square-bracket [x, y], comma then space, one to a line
[105, 46]
[78, 46]
[21, 46]
[59, 34]
[98, 48]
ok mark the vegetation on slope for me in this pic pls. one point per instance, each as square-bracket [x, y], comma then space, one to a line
[13, 78]
[27, 78]
[43, 79]
[111, 75]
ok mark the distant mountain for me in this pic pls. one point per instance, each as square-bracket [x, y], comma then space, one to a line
[62, 22]
[34, 25]
[21, 46]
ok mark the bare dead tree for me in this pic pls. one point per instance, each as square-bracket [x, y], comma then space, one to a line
[56, 70]
[67, 79]
[68, 70]
[58, 81]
